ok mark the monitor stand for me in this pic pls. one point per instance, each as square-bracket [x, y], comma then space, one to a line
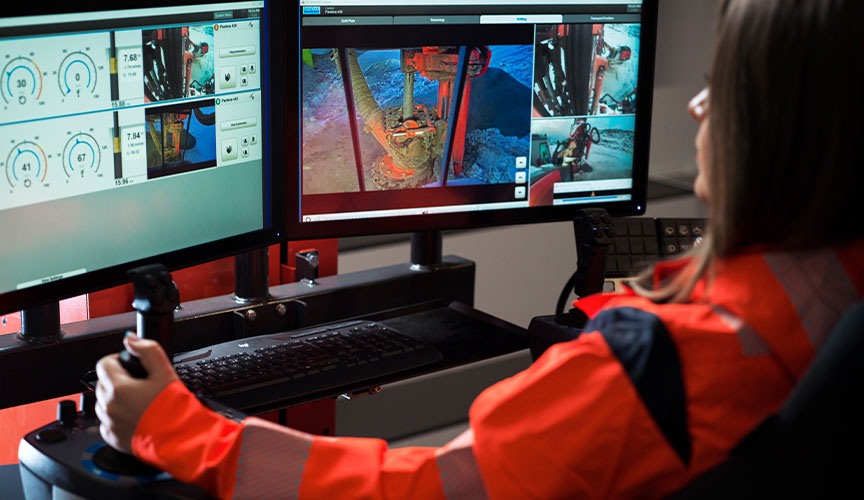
[426, 250]
[41, 324]
[252, 276]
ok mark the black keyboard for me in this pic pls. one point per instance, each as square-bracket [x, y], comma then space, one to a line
[257, 371]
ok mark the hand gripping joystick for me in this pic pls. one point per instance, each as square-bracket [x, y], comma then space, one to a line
[156, 297]
[132, 364]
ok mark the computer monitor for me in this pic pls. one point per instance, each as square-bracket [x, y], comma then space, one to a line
[133, 133]
[537, 109]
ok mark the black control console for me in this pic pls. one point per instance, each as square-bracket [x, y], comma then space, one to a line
[68, 459]
[640, 242]
[620, 248]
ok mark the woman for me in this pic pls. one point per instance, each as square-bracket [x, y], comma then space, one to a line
[667, 378]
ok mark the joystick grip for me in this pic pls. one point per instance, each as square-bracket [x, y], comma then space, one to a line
[156, 297]
[132, 364]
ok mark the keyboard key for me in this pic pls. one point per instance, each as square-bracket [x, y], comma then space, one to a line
[649, 228]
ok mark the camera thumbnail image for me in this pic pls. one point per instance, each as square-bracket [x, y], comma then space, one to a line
[402, 101]
[180, 138]
[178, 62]
[582, 148]
[586, 69]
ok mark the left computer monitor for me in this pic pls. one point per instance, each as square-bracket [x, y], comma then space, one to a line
[133, 133]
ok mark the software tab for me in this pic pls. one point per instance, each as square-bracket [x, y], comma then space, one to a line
[436, 20]
[521, 19]
[611, 18]
[348, 21]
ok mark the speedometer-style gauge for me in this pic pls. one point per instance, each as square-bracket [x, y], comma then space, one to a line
[21, 81]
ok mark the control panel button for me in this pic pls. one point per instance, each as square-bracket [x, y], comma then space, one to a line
[668, 228]
[67, 413]
[87, 402]
[651, 246]
[50, 436]
[670, 246]
[229, 149]
[624, 265]
[228, 77]
[648, 227]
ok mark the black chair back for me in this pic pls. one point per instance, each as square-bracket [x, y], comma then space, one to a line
[812, 448]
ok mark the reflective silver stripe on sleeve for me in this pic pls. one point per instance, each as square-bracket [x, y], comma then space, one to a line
[817, 285]
[751, 342]
[460, 475]
[271, 461]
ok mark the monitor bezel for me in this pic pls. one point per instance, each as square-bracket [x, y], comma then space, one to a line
[297, 230]
[274, 112]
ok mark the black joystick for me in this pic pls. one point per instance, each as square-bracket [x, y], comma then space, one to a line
[594, 231]
[132, 364]
[156, 297]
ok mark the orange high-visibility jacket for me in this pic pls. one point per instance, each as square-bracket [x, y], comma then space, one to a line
[649, 396]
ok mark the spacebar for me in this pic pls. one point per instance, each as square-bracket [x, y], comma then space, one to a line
[289, 388]
[250, 395]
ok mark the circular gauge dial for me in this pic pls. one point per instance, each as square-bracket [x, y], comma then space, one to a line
[81, 155]
[77, 75]
[21, 81]
[26, 165]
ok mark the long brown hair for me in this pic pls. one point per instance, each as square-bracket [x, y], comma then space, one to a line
[785, 163]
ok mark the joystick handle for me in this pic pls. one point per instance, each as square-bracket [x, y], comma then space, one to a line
[132, 364]
[156, 297]
[594, 230]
